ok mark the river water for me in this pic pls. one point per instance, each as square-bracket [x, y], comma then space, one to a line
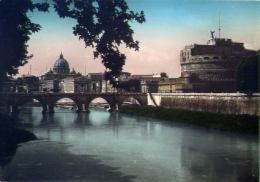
[102, 146]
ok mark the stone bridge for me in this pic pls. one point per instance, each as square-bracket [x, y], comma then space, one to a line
[13, 101]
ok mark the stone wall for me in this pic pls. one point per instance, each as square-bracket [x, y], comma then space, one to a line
[211, 66]
[228, 103]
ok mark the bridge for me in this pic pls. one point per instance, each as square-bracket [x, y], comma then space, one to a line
[13, 101]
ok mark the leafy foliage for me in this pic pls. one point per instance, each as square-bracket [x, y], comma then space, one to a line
[105, 26]
[15, 29]
[131, 85]
[227, 122]
[248, 75]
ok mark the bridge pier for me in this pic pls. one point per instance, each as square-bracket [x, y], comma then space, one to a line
[47, 109]
[113, 107]
[85, 108]
[12, 108]
[79, 109]
[48, 100]
[82, 108]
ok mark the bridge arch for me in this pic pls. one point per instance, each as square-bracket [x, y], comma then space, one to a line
[140, 101]
[73, 99]
[92, 98]
[81, 100]
[66, 103]
[48, 101]
[22, 101]
[124, 98]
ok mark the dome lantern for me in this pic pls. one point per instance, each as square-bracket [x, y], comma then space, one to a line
[61, 55]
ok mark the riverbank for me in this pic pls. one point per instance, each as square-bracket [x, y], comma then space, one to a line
[10, 136]
[239, 123]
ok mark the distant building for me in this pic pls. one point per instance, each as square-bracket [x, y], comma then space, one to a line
[11, 86]
[60, 70]
[211, 67]
[31, 82]
[68, 85]
[96, 82]
[99, 85]
[82, 84]
[50, 86]
[52, 79]
[76, 85]
[149, 83]
[144, 75]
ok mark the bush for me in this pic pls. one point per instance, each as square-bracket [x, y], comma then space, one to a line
[241, 123]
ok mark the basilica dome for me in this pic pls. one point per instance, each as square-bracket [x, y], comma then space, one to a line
[61, 66]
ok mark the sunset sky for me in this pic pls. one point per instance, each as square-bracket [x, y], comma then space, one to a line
[170, 25]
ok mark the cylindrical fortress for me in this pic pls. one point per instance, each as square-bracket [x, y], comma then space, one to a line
[217, 60]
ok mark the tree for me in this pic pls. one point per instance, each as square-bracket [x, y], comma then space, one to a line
[15, 29]
[248, 75]
[131, 85]
[103, 24]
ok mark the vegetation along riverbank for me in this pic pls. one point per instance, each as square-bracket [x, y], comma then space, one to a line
[227, 122]
[11, 134]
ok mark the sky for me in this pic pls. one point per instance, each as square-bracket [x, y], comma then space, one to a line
[170, 26]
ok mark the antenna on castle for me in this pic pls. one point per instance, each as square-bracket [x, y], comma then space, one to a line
[219, 26]
[30, 69]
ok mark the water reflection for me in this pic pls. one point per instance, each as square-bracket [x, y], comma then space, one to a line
[11, 135]
[41, 161]
[141, 148]
[223, 157]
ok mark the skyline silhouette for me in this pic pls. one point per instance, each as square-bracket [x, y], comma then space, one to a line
[170, 26]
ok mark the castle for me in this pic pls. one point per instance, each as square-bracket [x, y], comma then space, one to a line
[211, 67]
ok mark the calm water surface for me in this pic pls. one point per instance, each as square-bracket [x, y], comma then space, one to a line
[102, 146]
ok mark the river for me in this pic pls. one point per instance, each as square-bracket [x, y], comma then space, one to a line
[102, 146]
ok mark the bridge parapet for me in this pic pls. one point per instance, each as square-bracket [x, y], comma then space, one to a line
[82, 100]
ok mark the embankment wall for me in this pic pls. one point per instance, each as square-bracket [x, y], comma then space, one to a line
[226, 103]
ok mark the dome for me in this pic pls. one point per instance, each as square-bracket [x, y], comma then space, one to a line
[61, 66]
[61, 63]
